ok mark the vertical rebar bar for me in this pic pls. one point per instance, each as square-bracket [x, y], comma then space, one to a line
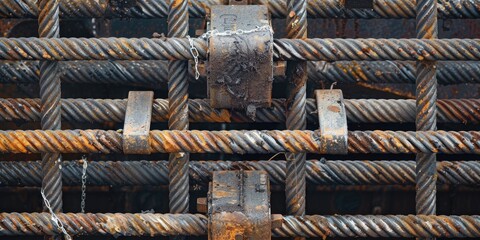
[426, 177]
[50, 94]
[296, 74]
[178, 108]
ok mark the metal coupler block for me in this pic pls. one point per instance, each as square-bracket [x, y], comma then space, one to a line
[136, 129]
[240, 60]
[239, 206]
[332, 119]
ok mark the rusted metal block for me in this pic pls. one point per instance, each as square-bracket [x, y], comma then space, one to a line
[239, 206]
[332, 119]
[136, 128]
[239, 67]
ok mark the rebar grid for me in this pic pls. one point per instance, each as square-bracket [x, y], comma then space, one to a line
[50, 94]
[278, 9]
[149, 224]
[296, 110]
[318, 172]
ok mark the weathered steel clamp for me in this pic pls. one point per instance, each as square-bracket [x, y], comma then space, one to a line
[239, 206]
[332, 118]
[240, 57]
[136, 129]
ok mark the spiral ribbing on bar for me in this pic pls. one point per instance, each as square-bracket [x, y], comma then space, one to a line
[320, 49]
[379, 226]
[149, 224]
[239, 142]
[178, 109]
[454, 72]
[315, 49]
[116, 224]
[319, 172]
[357, 110]
[153, 73]
[316, 8]
[426, 117]
[296, 74]
[50, 94]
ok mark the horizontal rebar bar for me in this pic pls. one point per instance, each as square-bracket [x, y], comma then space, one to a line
[319, 172]
[388, 72]
[357, 110]
[380, 226]
[151, 224]
[318, 49]
[198, 8]
[240, 142]
[154, 73]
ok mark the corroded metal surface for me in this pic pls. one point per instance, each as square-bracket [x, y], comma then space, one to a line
[239, 65]
[239, 206]
[240, 142]
[466, 111]
[148, 224]
[137, 122]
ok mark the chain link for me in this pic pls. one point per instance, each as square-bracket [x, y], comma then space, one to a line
[56, 221]
[207, 35]
[84, 184]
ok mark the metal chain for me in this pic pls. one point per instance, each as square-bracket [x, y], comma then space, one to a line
[56, 221]
[84, 184]
[207, 35]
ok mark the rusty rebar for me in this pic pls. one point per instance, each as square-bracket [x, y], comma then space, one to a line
[240, 142]
[357, 110]
[315, 49]
[379, 226]
[150, 224]
[178, 108]
[116, 224]
[426, 116]
[319, 172]
[50, 94]
[295, 110]
[198, 8]
[155, 73]
[454, 72]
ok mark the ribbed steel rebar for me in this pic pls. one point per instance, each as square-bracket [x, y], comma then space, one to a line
[321, 172]
[178, 109]
[240, 142]
[389, 72]
[426, 117]
[116, 224]
[357, 110]
[198, 8]
[149, 224]
[50, 94]
[295, 109]
[315, 49]
[376, 49]
[154, 73]
[379, 226]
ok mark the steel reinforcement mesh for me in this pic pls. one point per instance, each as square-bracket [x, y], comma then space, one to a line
[46, 140]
